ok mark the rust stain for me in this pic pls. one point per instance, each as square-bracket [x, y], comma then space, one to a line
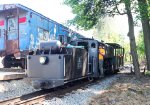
[11, 46]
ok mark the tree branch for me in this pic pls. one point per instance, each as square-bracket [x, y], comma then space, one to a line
[119, 11]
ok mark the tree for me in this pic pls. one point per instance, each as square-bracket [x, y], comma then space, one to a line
[88, 13]
[106, 30]
[132, 38]
[143, 9]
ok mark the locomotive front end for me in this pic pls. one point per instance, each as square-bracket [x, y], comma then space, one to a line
[46, 71]
[52, 65]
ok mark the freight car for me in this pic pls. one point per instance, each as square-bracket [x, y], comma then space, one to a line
[52, 65]
[21, 31]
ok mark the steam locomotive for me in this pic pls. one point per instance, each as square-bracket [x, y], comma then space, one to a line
[53, 65]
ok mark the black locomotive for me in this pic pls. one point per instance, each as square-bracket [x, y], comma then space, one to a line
[54, 65]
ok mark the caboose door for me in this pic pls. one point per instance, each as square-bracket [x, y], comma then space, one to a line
[12, 45]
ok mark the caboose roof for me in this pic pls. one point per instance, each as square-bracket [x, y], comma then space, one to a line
[4, 7]
[114, 45]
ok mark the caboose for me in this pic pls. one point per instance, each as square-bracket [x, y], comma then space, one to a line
[21, 31]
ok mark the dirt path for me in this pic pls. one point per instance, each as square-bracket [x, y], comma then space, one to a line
[127, 90]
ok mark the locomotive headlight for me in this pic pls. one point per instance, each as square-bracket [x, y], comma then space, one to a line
[43, 60]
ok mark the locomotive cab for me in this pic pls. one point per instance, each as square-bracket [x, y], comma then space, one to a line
[92, 47]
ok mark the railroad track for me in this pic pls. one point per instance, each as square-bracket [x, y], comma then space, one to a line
[28, 99]
[20, 101]
[11, 70]
[39, 96]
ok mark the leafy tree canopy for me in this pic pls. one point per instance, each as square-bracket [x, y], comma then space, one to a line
[88, 12]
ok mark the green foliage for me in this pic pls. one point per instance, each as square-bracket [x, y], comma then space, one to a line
[105, 31]
[147, 73]
[87, 12]
[143, 8]
[140, 46]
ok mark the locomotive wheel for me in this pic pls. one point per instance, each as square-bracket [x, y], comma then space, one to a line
[22, 64]
[7, 62]
[90, 79]
[116, 71]
[112, 69]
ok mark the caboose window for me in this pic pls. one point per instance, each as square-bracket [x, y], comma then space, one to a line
[43, 35]
[61, 38]
[68, 39]
[12, 24]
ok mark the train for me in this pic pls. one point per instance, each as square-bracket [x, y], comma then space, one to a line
[54, 65]
[51, 53]
[21, 31]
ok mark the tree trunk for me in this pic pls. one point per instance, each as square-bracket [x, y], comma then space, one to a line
[132, 39]
[146, 28]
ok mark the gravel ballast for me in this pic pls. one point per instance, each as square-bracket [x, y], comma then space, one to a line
[81, 96]
[14, 89]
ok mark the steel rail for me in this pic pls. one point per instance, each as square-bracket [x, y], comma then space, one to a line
[24, 100]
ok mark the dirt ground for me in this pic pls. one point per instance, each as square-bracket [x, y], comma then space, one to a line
[127, 90]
